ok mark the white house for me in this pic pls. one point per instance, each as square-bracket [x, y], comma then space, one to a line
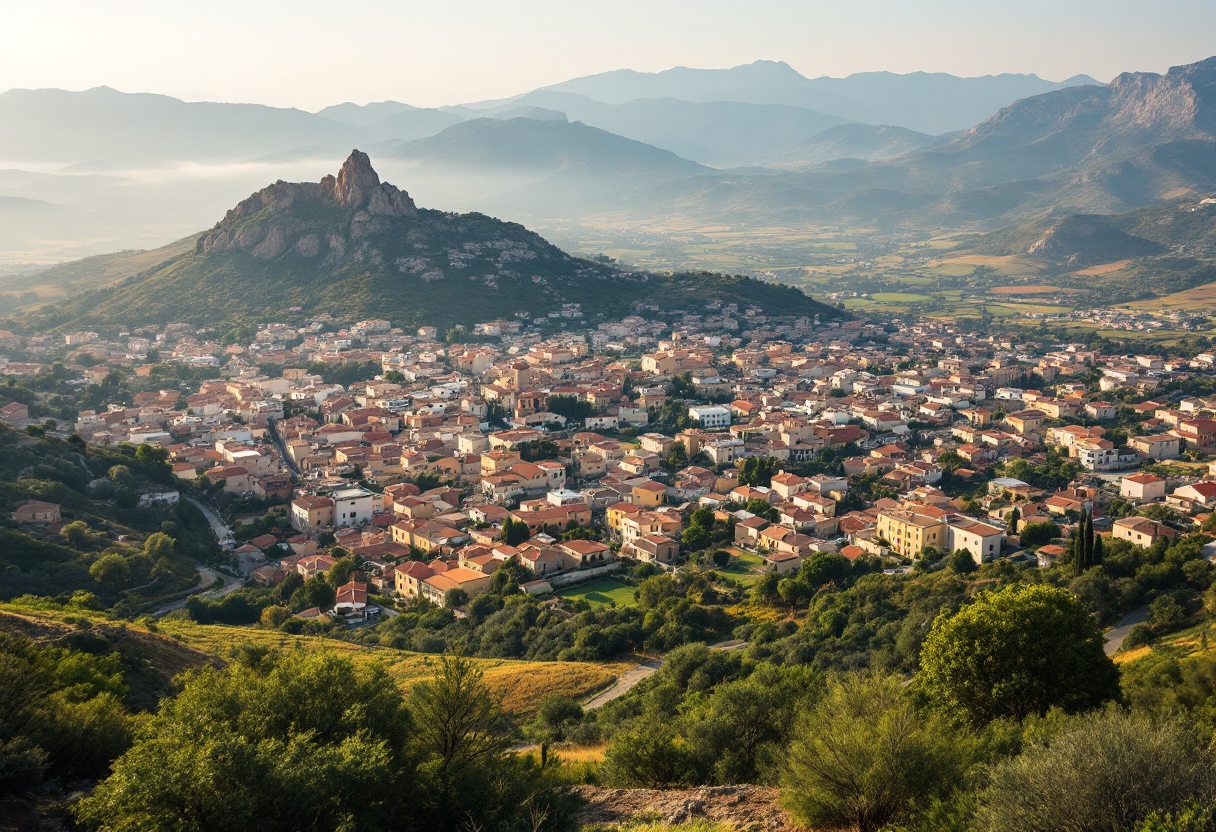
[353, 506]
[710, 416]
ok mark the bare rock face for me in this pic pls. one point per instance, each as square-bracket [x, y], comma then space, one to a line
[265, 224]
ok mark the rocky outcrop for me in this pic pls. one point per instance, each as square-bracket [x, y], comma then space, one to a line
[745, 808]
[283, 220]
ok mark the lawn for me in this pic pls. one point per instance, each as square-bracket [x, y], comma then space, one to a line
[740, 567]
[603, 592]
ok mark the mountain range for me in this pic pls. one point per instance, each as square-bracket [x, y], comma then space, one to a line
[357, 247]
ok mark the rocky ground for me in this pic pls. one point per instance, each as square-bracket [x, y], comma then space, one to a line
[748, 808]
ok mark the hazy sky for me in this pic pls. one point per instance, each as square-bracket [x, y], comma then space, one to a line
[307, 53]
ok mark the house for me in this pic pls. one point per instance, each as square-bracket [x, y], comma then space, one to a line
[1142, 488]
[435, 588]
[36, 512]
[710, 417]
[982, 540]
[1141, 531]
[1199, 434]
[311, 512]
[909, 532]
[1026, 421]
[314, 565]
[782, 563]
[588, 552]
[1197, 495]
[14, 413]
[353, 506]
[653, 548]
[408, 578]
[352, 597]
[648, 494]
[1159, 446]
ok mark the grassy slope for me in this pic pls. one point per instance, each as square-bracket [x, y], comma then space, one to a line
[435, 268]
[177, 646]
[521, 684]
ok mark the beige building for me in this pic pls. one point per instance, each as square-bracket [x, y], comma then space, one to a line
[1142, 488]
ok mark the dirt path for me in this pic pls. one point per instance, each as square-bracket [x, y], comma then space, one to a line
[746, 808]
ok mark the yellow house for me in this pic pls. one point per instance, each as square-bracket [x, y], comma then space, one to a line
[909, 533]
[616, 514]
[649, 494]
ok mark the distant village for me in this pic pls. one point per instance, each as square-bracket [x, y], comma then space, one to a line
[498, 445]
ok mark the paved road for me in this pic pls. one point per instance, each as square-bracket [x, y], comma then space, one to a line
[630, 678]
[212, 585]
[1116, 634]
[624, 684]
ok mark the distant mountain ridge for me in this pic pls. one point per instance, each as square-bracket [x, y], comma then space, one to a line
[357, 247]
[927, 102]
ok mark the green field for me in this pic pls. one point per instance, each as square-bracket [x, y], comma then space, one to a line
[898, 296]
[740, 567]
[603, 592]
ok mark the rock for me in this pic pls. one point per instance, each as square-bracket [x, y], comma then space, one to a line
[356, 180]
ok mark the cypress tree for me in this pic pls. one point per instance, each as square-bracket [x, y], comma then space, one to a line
[1087, 534]
[1097, 556]
[1014, 517]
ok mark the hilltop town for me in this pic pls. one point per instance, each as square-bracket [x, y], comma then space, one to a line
[575, 450]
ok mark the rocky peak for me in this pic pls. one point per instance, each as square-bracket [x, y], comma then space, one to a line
[268, 224]
[355, 181]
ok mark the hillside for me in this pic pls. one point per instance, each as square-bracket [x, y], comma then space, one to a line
[1141, 139]
[85, 275]
[99, 487]
[871, 143]
[1073, 240]
[540, 147]
[355, 247]
[717, 133]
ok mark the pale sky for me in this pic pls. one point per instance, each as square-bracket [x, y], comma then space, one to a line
[311, 53]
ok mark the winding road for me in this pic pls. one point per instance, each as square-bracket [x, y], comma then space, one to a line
[1116, 634]
[629, 678]
[212, 585]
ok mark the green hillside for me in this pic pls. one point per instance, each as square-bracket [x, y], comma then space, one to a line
[356, 248]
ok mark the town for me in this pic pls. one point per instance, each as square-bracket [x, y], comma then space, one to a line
[574, 450]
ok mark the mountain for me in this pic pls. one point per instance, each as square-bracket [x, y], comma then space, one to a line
[871, 143]
[102, 123]
[1141, 139]
[533, 146]
[364, 115]
[356, 247]
[927, 102]
[718, 133]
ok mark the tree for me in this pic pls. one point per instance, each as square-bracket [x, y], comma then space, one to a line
[1107, 770]
[76, 534]
[311, 741]
[470, 780]
[652, 755]
[719, 557]
[273, 617]
[514, 532]
[159, 545]
[1016, 652]
[111, 571]
[455, 598]
[316, 592]
[962, 562]
[340, 572]
[864, 754]
[655, 590]
[1014, 518]
[1038, 534]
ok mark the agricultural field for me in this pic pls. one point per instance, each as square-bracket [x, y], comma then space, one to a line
[604, 592]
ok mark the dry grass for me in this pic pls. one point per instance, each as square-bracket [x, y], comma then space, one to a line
[521, 684]
[1132, 655]
[1105, 268]
[1026, 290]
